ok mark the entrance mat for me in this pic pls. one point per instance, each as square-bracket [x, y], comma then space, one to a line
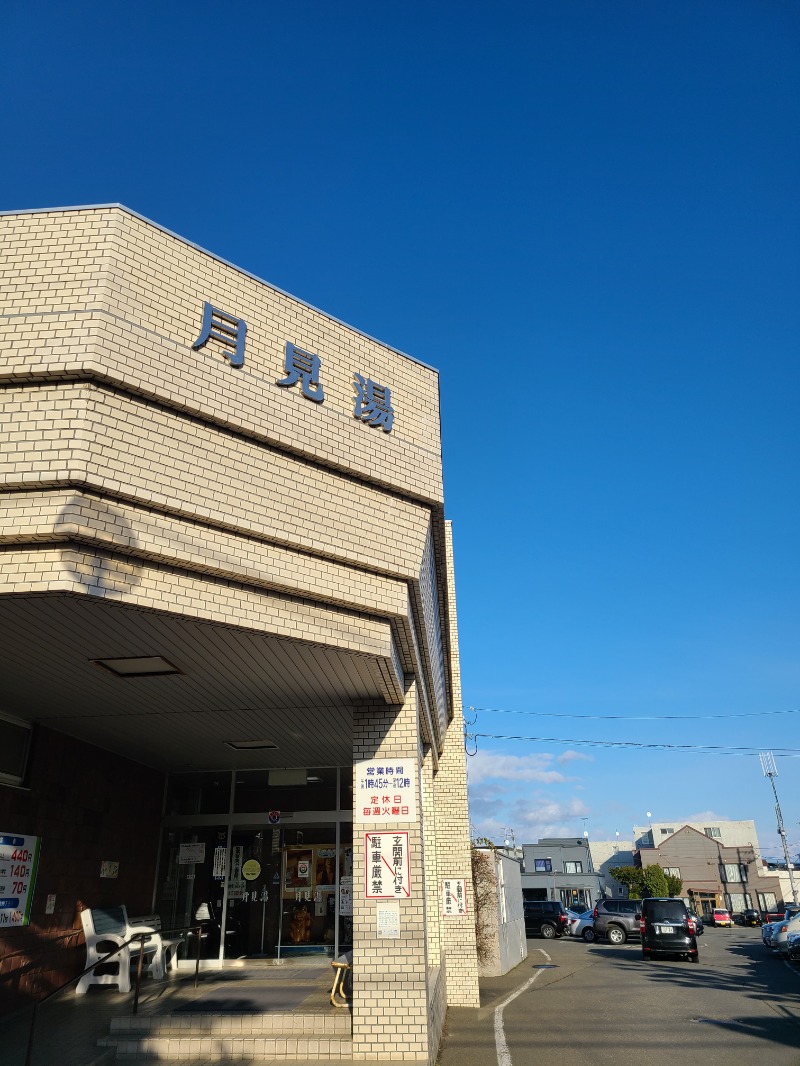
[248, 997]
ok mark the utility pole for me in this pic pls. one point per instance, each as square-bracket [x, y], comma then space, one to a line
[769, 770]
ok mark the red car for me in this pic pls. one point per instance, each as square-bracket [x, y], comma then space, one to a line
[721, 916]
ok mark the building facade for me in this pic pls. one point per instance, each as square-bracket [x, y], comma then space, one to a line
[227, 607]
[606, 854]
[731, 834]
[714, 875]
[561, 868]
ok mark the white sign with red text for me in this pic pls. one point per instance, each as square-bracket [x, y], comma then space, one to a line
[387, 871]
[385, 791]
[454, 896]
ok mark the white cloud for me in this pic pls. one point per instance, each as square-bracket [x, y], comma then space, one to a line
[705, 816]
[530, 816]
[489, 766]
[570, 756]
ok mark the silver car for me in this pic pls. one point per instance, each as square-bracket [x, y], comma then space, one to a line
[781, 931]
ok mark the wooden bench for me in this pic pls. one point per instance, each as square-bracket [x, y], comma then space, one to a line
[341, 967]
[108, 927]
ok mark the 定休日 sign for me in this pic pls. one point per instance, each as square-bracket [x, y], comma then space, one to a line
[385, 791]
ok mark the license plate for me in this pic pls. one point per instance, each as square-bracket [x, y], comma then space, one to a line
[664, 929]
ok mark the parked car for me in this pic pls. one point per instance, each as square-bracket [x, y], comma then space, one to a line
[667, 928]
[766, 932]
[699, 927]
[781, 931]
[617, 919]
[721, 916]
[793, 946]
[544, 917]
[582, 925]
[769, 928]
[751, 917]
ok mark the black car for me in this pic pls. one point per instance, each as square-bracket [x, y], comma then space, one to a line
[751, 917]
[545, 917]
[667, 928]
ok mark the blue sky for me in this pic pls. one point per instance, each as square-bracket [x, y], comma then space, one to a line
[586, 216]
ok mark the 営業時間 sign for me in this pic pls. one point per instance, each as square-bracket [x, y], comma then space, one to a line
[19, 860]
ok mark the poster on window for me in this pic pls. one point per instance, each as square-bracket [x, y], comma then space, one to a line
[299, 867]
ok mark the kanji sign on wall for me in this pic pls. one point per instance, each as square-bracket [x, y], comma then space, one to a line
[387, 873]
[454, 896]
[385, 791]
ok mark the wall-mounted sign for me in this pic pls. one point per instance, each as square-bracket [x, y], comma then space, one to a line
[274, 817]
[387, 916]
[387, 872]
[19, 861]
[373, 401]
[385, 791]
[109, 869]
[454, 896]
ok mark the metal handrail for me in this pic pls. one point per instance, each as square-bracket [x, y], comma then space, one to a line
[41, 950]
[141, 937]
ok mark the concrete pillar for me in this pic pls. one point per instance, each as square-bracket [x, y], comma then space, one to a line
[390, 997]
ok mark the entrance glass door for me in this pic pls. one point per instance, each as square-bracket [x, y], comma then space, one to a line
[285, 891]
[191, 890]
[254, 892]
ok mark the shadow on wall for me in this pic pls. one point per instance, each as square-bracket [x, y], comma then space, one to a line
[110, 532]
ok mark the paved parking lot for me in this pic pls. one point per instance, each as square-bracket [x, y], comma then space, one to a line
[599, 1004]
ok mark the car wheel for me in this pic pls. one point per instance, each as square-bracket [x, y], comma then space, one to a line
[616, 935]
[589, 936]
[548, 932]
[695, 958]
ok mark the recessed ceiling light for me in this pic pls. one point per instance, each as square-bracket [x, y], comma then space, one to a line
[138, 666]
[250, 745]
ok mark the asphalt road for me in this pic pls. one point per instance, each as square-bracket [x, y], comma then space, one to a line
[599, 1004]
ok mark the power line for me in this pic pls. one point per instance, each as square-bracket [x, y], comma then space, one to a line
[706, 749]
[634, 717]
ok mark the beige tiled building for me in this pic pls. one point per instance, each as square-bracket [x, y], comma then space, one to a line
[227, 609]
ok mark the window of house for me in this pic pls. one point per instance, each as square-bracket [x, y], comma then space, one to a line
[573, 867]
[712, 831]
[672, 871]
[15, 738]
[667, 832]
[542, 866]
[734, 871]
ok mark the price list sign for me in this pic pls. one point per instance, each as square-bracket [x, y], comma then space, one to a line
[19, 860]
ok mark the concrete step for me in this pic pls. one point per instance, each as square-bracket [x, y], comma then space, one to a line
[228, 1049]
[246, 1038]
[288, 1023]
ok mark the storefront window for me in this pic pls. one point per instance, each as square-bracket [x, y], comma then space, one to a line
[199, 793]
[303, 789]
